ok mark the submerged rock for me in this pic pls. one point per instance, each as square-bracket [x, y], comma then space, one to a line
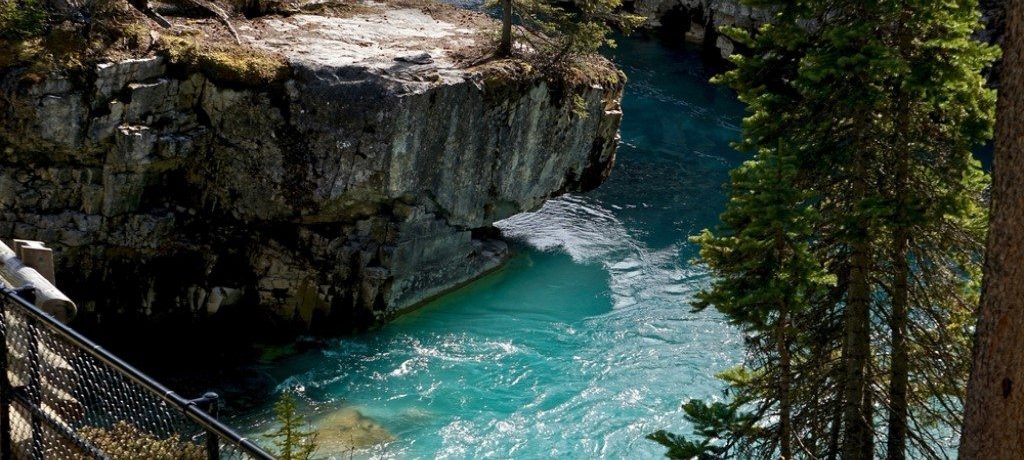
[348, 429]
[346, 188]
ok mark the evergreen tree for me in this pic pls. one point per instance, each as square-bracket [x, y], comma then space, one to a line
[880, 104]
[994, 418]
[292, 439]
[767, 277]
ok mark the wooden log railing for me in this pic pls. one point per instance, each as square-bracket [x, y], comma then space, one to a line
[16, 273]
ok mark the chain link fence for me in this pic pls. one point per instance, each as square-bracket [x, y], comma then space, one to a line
[63, 397]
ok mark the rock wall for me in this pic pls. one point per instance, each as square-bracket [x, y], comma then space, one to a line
[355, 189]
[697, 21]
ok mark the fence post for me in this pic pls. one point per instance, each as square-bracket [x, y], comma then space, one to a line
[210, 403]
[35, 387]
[5, 383]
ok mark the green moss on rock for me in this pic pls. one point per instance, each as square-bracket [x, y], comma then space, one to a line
[224, 63]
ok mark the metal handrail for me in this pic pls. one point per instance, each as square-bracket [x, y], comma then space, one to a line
[189, 408]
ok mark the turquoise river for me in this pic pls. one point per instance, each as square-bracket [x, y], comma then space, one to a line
[585, 342]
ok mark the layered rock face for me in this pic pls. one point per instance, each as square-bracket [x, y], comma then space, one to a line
[697, 21]
[362, 185]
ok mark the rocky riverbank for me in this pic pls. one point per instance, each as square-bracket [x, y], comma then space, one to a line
[351, 170]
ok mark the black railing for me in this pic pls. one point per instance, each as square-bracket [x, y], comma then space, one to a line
[64, 397]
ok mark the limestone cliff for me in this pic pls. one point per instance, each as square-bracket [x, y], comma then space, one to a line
[362, 182]
[697, 21]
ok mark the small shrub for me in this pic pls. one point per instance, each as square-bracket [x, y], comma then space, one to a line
[20, 20]
[292, 439]
[44, 42]
[579, 106]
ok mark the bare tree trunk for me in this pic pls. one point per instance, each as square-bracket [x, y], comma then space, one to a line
[505, 47]
[857, 433]
[896, 440]
[782, 348]
[897, 434]
[994, 412]
[856, 353]
[785, 401]
[837, 425]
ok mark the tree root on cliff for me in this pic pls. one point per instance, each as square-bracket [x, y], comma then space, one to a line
[221, 15]
[206, 5]
[144, 8]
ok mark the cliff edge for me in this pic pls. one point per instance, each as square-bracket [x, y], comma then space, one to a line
[341, 168]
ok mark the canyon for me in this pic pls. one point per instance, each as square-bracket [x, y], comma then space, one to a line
[361, 179]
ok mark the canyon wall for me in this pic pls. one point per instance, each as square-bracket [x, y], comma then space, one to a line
[362, 184]
[697, 21]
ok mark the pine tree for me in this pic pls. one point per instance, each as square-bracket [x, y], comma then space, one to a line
[879, 105]
[767, 277]
[994, 419]
[292, 439]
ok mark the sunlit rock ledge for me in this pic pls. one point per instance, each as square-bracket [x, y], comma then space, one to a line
[348, 171]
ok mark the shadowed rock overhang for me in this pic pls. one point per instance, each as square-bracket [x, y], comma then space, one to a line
[341, 169]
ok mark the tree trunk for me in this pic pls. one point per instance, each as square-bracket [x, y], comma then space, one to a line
[837, 424]
[897, 438]
[505, 47]
[785, 403]
[994, 412]
[782, 343]
[896, 441]
[856, 416]
[857, 431]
